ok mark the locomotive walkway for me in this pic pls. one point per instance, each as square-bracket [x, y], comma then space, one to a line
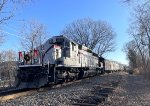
[119, 89]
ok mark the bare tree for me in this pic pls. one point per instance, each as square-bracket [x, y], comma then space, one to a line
[7, 12]
[8, 7]
[134, 53]
[97, 35]
[8, 65]
[1, 38]
[132, 4]
[33, 33]
[8, 55]
[141, 26]
[140, 31]
[133, 1]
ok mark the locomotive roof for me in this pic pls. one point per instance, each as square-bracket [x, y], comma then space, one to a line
[112, 61]
[65, 38]
[79, 45]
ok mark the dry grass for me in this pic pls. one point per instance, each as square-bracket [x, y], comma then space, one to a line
[146, 74]
[136, 71]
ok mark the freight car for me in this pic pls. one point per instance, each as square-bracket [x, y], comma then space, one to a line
[58, 60]
[113, 66]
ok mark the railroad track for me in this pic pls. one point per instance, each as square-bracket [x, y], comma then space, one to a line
[11, 91]
[14, 93]
[98, 95]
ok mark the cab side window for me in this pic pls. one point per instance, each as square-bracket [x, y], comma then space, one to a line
[66, 52]
[73, 46]
[57, 53]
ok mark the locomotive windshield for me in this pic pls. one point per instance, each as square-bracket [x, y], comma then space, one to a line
[60, 40]
[64, 44]
[66, 49]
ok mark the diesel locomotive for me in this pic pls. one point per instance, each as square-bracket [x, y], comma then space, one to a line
[58, 60]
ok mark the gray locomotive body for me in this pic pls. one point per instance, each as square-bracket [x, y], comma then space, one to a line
[58, 60]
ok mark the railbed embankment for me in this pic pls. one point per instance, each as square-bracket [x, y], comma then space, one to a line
[120, 89]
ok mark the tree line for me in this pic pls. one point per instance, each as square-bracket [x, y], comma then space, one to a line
[98, 35]
[138, 49]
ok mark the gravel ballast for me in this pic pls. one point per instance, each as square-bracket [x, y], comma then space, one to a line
[127, 90]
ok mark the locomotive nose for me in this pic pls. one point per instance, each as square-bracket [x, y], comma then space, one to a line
[31, 76]
[32, 57]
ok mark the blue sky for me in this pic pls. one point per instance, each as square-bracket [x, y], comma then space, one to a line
[56, 14]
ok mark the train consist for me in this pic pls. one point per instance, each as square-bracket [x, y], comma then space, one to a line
[60, 60]
[113, 66]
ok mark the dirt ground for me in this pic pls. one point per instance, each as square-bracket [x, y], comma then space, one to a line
[133, 90]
